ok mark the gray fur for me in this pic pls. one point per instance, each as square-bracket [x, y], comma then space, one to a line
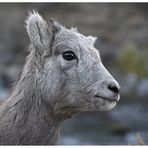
[52, 89]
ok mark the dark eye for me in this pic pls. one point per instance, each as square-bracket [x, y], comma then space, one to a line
[69, 55]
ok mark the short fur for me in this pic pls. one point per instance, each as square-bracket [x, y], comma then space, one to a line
[52, 89]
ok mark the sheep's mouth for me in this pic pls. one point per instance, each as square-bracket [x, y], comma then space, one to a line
[107, 99]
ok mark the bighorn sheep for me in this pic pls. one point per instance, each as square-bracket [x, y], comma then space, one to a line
[63, 75]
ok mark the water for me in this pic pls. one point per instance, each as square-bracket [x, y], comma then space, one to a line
[117, 127]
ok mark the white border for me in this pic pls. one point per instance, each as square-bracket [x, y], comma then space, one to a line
[75, 1]
[83, 146]
[78, 1]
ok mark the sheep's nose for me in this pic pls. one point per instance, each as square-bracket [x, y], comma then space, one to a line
[113, 87]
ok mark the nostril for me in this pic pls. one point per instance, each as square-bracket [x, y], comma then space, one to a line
[113, 88]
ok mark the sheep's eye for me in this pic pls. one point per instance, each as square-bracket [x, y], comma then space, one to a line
[69, 55]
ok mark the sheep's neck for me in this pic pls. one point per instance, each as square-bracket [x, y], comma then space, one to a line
[31, 117]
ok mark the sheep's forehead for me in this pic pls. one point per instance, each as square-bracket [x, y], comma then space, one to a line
[74, 39]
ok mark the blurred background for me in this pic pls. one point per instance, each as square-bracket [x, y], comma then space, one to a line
[122, 31]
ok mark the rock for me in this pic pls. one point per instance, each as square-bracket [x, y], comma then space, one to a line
[143, 88]
[129, 85]
[3, 94]
[119, 129]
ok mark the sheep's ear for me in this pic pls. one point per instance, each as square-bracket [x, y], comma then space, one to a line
[41, 36]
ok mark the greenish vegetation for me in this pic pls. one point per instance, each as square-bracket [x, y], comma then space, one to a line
[131, 59]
